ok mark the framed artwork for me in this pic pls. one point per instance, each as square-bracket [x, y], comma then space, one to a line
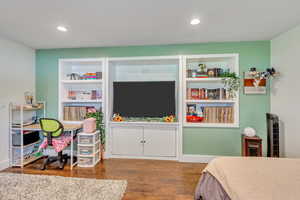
[254, 85]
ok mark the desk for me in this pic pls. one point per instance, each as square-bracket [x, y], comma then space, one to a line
[67, 127]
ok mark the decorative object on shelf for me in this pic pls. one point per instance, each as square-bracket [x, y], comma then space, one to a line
[28, 98]
[170, 118]
[202, 68]
[255, 82]
[117, 118]
[194, 114]
[232, 83]
[250, 132]
[192, 118]
[73, 76]
[89, 125]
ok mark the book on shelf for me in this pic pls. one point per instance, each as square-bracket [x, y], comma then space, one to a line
[84, 95]
[206, 94]
[212, 114]
[75, 113]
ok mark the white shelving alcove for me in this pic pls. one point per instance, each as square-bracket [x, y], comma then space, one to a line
[81, 86]
[140, 139]
[204, 94]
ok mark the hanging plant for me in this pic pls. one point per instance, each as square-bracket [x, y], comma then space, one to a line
[231, 82]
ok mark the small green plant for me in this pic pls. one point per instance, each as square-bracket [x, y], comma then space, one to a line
[231, 82]
[99, 124]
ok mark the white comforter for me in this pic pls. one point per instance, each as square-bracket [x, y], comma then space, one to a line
[257, 178]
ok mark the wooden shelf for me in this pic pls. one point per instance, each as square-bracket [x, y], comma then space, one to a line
[28, 108]
[16, 147]
[27, 161]
[81, 81]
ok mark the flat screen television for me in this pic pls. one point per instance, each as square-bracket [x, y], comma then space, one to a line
[144, 99]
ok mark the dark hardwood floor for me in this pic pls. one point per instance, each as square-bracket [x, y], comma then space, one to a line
[147, 179]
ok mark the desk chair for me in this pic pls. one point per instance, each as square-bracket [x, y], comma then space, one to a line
[52, 128]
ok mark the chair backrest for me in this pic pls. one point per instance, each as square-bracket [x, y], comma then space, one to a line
[51, 128]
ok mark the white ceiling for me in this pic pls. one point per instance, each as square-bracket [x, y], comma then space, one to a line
[143, 22]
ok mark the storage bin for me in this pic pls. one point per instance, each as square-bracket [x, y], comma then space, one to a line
[28, 153]
[88, 138]
[89, 125]
[28, 138]
[88, 161]
[89, 150]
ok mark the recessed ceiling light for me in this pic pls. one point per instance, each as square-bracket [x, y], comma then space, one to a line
[195, 21]
[62, 28]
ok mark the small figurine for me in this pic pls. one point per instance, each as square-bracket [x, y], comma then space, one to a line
[73, 76]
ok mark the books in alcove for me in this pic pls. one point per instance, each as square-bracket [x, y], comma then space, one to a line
[204, 93]
[75, 113]
[84, 95]
[212, 114]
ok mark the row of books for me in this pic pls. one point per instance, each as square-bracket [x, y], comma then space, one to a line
[204, 93]
[75, 113]
[218, 115]
[84, 95]
[211, 114]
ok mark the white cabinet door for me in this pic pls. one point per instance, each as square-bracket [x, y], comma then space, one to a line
[160, 142]
[127, 141]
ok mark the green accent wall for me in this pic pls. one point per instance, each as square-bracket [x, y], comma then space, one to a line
[203, 141]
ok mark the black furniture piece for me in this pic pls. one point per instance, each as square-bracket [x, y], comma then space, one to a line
[52, 128]
[273, 135]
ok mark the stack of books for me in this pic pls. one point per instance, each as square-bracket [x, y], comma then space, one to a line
[204, 93]
[91, 76]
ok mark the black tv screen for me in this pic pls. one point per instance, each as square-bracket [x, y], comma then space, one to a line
[144, 99]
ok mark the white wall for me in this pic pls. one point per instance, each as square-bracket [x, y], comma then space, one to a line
[285, 97]
[17, 75]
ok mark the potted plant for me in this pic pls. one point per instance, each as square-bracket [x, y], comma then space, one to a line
[231, 82]
[99, 126]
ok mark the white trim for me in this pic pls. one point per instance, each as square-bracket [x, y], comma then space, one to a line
[140, 157]
[197, 158]
[142, 58]
[212, 55]
[4, 164]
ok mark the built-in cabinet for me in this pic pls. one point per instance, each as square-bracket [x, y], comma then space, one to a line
[151, 139]
[144, 140]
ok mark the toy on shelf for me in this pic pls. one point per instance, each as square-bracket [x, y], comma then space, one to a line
[192, 118]
[192, 114]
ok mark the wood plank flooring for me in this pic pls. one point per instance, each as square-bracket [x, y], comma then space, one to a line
[147, 179]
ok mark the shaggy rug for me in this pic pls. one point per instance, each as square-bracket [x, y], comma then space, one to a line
[41, 187]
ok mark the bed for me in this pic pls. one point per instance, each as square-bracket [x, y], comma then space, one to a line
[250, 178]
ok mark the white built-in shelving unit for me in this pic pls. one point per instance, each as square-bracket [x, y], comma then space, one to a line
[141, 139]
[224, 61]
[82, 88]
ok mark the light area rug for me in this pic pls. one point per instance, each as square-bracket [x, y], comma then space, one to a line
[42, 187]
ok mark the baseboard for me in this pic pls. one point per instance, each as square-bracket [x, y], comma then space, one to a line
[4, 164]
[197, 158]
